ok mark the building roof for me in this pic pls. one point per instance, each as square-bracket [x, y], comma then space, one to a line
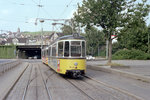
[20, 40]
[58, 34]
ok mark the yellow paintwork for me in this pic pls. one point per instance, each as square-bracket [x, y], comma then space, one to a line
[47, 60]
[69, 64]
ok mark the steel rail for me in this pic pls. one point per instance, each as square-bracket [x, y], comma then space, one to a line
[115, 88]
[25, 91]
[46, 87]
[80, 89]
[74, 86]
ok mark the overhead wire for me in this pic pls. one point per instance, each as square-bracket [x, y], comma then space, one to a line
[47, 12]
[37, 4]
[34, 2]
[16, 3]
[66, 8]
[41, 6]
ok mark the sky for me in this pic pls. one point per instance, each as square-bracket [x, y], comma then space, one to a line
[21, 14]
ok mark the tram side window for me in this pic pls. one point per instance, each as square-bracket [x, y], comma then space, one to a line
[49, 51]
[66, 54]
[83, 49]
[60, 49]
[44, 53]
[54, 50]
[75, 48]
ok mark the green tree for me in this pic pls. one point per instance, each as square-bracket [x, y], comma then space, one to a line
[67, 30]
[71, 28]
[94, 39]
[148, 38]
[135, 33]
[106, 14]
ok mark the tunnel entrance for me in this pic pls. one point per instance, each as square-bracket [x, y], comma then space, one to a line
[29, 52]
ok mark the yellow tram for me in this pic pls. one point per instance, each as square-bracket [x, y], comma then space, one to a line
[66, 55]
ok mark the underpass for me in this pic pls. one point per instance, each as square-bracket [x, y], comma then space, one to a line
[28, 51]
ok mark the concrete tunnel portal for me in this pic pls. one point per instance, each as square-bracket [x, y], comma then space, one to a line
[29, 52]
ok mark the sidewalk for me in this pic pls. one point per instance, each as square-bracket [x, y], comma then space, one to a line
[136, 69]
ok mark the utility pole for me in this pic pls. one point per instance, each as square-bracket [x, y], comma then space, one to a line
[41, 21]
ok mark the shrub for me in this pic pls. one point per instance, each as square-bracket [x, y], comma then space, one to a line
[131, 54]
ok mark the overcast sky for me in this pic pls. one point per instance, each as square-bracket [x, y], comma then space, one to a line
[22, 13]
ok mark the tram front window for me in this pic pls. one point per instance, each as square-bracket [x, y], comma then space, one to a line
[75, 48]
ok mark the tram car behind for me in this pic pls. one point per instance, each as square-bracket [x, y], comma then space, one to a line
[66, 55]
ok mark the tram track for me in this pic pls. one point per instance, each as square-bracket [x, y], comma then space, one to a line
[61, 78]
[83, 92]
[32, 83]
[26, 88]
[114, 93]
[45, 84]
[88, 84]
[35, 78]
[40, 79]
[115, 88]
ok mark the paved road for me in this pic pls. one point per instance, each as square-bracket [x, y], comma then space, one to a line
[110, 86]
[135, 87]
[141, 67]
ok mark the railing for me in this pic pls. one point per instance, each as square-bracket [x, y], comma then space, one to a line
[8, 65]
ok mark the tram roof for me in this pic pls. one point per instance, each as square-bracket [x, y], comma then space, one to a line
[67, 37]
[70, 37]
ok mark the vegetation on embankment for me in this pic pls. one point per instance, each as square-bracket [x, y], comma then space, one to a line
[131, 54]
[7, 52]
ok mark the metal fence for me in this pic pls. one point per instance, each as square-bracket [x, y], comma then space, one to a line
[8, 65]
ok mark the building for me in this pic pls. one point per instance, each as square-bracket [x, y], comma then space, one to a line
[54, 36]
[17, 41]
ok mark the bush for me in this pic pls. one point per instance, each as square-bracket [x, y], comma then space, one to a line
[131, 54]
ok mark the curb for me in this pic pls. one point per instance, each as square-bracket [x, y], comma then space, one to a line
[121, 73]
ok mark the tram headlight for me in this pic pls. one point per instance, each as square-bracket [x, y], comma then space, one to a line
[76, 64]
